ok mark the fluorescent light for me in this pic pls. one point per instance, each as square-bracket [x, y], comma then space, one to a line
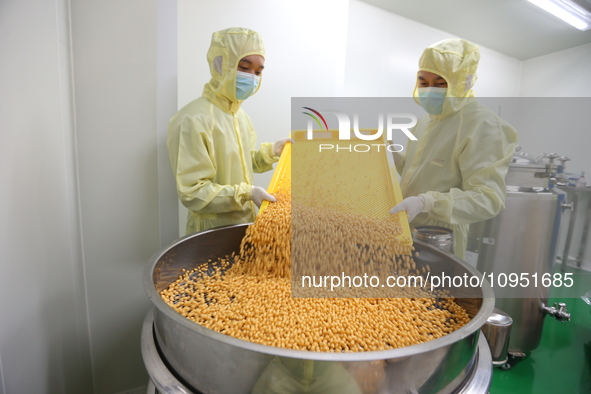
[568, 11]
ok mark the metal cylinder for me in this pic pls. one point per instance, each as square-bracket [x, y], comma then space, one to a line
[440, 237]
[520, 242]
[497, 331]
[164, 381]
[211, 362]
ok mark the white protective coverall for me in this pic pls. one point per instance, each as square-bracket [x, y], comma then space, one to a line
[462, 155]
[212, 142]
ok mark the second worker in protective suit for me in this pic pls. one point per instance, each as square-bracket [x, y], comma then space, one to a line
[212, 142]
[454, 173]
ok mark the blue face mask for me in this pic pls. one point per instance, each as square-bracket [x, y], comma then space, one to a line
[432, 99]
[246, 84]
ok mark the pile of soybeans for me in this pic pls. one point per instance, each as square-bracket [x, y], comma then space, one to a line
[248, 295]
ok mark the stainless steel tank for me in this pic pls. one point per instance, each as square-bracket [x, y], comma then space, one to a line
[521, 241]
[209, 362]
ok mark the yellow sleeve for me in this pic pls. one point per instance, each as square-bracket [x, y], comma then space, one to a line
[483, 161]
[263, 158]
[401, 162]
[190, 149]
[403, 154]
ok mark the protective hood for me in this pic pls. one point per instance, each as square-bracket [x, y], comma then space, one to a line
[227, 48]
[455, 60]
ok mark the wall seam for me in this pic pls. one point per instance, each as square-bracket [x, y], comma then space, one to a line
[166, 106]
[77, 198]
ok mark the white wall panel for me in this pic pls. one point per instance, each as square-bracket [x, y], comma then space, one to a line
[555, 125]
[122, 92]
[560, 74]
[44, 331]
[383, 51]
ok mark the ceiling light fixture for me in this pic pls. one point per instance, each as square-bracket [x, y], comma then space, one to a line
[574, 12]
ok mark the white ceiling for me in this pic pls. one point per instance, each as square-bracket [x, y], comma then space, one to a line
[516, 28]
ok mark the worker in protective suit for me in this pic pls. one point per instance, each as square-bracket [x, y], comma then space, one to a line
[454, 173]
[212, 142]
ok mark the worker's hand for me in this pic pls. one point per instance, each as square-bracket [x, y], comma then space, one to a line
[278, 146]
[412, 205]
[258, 194]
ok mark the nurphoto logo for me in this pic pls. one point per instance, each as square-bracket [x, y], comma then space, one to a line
[392, 123]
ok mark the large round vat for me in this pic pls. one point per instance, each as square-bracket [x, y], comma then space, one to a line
[209, 362]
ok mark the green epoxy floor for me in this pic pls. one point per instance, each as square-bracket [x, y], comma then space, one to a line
[562, 362]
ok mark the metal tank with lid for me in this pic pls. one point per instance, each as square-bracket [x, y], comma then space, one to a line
[183, 357]
[521, 241]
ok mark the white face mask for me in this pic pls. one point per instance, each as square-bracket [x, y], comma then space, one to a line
[246, 84]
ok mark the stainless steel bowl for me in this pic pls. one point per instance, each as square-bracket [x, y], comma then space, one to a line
[211, 362]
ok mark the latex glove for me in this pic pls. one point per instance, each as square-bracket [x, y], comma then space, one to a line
[278, 146]
[412, 205]
[258, 194]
